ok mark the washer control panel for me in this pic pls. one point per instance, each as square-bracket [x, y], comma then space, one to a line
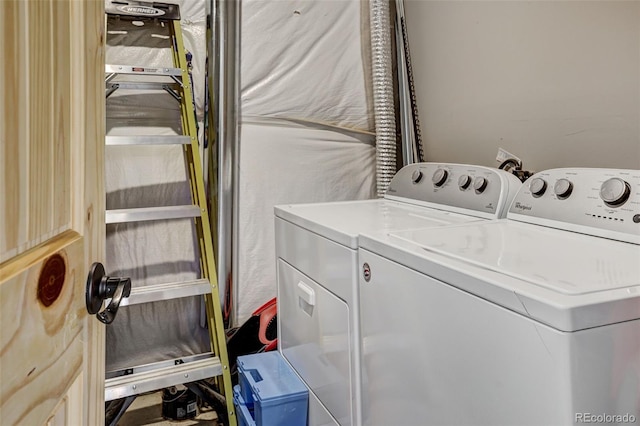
[602, 199]
[478, 188]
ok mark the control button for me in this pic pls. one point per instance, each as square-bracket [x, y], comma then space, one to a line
[416, 176]
[538, 186]
[563, 188]
[479, 184]
[614, 192]
[440, 177]
[464, 181]
[636, 218]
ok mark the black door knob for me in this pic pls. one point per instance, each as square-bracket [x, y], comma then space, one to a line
[101, 287]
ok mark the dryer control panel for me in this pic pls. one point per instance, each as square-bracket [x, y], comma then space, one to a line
[601, 202]
[479, 189]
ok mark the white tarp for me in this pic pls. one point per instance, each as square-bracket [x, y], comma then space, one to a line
[305, 72]
[284, 163]
[307, 59]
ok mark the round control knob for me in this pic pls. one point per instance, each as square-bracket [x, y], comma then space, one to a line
[464, 181]
[440, 177]
[480, 184]
[416, 176]
[538, 186]
[615, 191]
[563, 188]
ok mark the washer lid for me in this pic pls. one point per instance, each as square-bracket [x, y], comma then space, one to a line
[565, 262]
[342, 222]
[568, 280]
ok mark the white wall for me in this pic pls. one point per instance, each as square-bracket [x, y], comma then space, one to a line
[556, 83]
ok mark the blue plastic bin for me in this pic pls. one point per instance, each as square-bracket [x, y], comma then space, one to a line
[270, 388]
[243, 413]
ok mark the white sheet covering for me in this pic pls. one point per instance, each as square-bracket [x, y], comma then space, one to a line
[307, 60]
[285, 163]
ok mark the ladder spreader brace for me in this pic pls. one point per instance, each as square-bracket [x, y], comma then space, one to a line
[140, 379]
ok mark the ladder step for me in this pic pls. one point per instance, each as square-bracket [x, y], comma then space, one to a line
[151, 213]
[161, 375]
[147, 140]
[143, 85]
[133, 70]
[166, 291]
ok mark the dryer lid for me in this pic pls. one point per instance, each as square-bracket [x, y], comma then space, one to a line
[342, 222]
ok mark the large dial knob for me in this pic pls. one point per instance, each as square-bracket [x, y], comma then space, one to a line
[440, 177]
[563, 188]
[480, 184]
[538, 186]
[464, 181]
[416, 176]
[614, 192]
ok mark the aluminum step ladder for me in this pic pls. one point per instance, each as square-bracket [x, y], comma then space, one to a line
[175, 81]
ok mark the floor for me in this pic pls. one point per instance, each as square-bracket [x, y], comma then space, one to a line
[147, 410]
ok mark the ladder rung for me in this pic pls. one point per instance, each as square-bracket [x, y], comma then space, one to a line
[161, 375]
[133, 70]
[166, 291]
[151, 213]
[147, 140]
[112, 374]
[143, 85]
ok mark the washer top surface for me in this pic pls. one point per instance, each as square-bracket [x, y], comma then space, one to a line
[572, 263]
[560, 261]
[421, 195]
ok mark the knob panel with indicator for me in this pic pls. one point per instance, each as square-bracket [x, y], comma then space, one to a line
[563, 188]
[440, 177]
[464, 181]
[479, 184]
[598, 202]
[416, 176]
[615, 192]
[538, 186]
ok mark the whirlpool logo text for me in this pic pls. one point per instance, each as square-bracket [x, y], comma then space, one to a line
[521, 206]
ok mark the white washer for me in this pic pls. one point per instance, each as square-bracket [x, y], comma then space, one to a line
[316, 246]
[529, 320]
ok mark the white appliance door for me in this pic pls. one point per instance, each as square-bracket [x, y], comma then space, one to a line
[316, 339]
[435, 355]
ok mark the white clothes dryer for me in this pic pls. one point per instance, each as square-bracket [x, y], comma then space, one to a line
[529, 320]
[316, 247]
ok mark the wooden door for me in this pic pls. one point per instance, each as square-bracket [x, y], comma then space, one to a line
[51, 210]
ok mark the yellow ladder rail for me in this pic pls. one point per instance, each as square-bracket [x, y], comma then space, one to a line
[214, 310]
